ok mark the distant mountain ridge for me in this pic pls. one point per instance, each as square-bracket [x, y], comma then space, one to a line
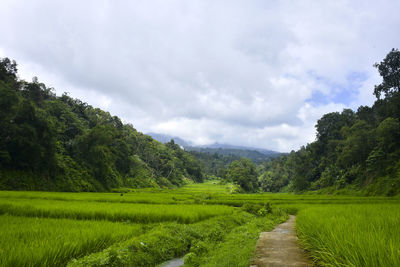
[257, 155]
[165, 138]
[227, 146]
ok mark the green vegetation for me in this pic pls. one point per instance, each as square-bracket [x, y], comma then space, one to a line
[63, 144]
[101, 229]
[156, 210]
[355, 151]
[172, 240]
[351, 235]
[214, 164]
[243, 173]
[53, 242]
[237, 247]
[226, 154]
[140, 213]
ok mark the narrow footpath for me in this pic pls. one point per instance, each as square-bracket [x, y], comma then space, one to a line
[280, 248]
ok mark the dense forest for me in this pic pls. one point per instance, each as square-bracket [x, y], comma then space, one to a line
[252, 154]
[214, 164]
[58, 143]
[353, 151]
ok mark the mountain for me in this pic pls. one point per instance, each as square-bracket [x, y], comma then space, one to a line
[257, 155]
[165, 138]
[260, 150]
[254, 155]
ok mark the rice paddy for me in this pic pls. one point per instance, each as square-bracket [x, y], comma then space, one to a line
[83, 210]
[352, 235]
[150, 226]
[53, 242]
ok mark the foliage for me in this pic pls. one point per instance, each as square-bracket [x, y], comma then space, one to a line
[226, 154]
[63, 144]
[213, 163]
[353, 149]
[165, 242]
[243, 173]
[389, 69]
[237, 246]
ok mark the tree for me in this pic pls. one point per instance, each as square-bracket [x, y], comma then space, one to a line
[329, 126]
[358, 143]
[8, 69]
[243, 173]
[389, 69]
[388, 134]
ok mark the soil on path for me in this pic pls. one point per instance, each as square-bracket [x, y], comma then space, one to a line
[280, 248]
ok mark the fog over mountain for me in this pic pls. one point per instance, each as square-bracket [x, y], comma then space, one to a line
[258, 155]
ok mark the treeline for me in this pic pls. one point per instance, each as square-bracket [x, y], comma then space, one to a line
[214, 164]
[255, 156]
[353, 150]
[63, 144]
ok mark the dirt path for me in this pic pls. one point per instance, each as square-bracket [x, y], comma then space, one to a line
[279, 248]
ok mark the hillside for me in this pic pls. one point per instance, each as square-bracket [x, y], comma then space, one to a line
[63, 144]
[254, 155]
[354, 150]
[165, 138]
[257, 155]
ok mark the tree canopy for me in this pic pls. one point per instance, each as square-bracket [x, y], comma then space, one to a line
[357, 150]
[61, 143]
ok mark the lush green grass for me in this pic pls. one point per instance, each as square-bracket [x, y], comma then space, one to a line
[209, 187]
[152, 196]
[52, 242]
[207, 193]
[236, 248]
[234, 235]
[336, 229]
[352, 235]
[111, 211]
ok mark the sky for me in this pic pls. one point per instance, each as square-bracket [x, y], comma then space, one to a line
[252, 73]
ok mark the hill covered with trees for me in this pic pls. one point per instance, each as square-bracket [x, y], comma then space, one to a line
[58, 143]
[355, 150]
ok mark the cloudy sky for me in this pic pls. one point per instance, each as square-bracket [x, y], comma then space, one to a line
[254, 73]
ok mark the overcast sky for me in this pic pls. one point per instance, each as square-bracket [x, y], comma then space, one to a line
[254, 73]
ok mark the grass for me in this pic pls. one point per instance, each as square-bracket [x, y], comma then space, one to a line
[52, 242]
[238, 245]
[199, 240]
[200, 220]
[140, 213]
[207, 193]
[352, 235]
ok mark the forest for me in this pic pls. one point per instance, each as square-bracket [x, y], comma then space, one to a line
[353, 151]
[58, 143]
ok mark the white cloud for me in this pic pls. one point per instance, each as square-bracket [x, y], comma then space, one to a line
[241, 72]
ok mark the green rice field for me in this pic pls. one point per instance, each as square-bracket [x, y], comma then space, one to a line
[204, 223]
[43, 241]
[352, 235]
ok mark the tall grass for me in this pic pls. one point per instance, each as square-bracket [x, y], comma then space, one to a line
[208, 193]
[81, 210]
[52, 242]
[237, 247]
[221, 235]
[352, 235]
[338, 230]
